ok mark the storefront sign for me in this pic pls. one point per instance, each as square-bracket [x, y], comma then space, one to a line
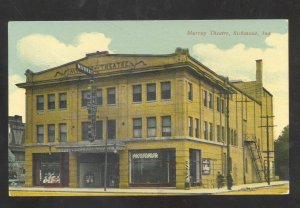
[206, 166]
[148, 155]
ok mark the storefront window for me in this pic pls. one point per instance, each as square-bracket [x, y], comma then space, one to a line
[152, 167]
[50, 169]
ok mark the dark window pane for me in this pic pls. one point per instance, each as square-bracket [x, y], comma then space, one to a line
[151, 92]
[85, 130]
[111, 125]
[85, 97]
[99, 130]
[137, 127]
[63, 100]
[137, 93]
[51, 133]
[111, 95]
[40, 102]
[40, 133]
[190, 91]
[51, 102]
[166, 126]
[62, 132]
[165, 90]
[151, 122]
[99, 99]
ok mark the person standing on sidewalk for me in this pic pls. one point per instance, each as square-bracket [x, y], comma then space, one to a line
[229, 181]
[220, 180]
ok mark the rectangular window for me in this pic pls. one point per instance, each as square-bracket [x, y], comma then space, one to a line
[62, 132]
[204, 98]
[223, 134]
[111, 128]
[151, 92]
[85, 130]
[99, 97]
[152, 167]
[166, 125]
[62, 100]
[218, 133]
[137, 128]
[218, 104]
[235, 138]
[40, 102]
[195, 167]
[137, 93]
[222, 106]
[166, 90]
[40, 133]
[151, 126]
[197, 128]
[211, 132]
[111, 95]
[51, 102]
[51, 132]
[85, 97]
[99, 130]
[205, 130]
[190, 91]
[211, 101]
[190, 126]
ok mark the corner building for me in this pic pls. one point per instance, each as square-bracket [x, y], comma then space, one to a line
[163, 117]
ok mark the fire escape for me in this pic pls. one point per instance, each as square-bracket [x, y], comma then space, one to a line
[251, 144]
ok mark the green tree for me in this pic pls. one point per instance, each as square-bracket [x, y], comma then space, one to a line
[282, 154]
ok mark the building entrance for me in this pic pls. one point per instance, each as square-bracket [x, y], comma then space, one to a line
[92, 167]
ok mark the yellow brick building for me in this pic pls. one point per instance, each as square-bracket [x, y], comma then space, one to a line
[164, 118]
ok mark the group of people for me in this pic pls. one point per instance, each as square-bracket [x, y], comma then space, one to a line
[220, 181]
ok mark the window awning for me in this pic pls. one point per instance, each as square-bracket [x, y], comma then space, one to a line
[96, 147]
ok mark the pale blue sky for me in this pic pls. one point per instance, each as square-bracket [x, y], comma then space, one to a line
[227, 55]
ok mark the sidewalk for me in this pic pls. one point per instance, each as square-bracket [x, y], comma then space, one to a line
[152, 191]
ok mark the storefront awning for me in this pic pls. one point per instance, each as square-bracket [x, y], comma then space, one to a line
[91, 147]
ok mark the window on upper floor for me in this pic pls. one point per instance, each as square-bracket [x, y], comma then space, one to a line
[222, 106]
[85, 97]
[165, 90]
[63, 132]
[205, 130]
[137, 127]
[211, 132]
[111, 128]
[62, 100]
[190, 91]
[211, 101]
[151, 92]
[99, 97]
[51, 133]
[218, 104]
[86, 130]
[190, 126]
[197, 130]
[51, 102]
[151, 126]
[137, 93]
[111, 95]
[40, 102]
[205, 98]
[40, 133]
[223, 134]
[166, 125]
[218, 133]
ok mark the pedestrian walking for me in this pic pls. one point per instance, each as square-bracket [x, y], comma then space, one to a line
[220, 180]
[229, 181]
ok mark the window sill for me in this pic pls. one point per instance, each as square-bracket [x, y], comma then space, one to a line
[151, 101]
[137, 102]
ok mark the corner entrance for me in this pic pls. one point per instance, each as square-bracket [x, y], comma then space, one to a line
[91, 170]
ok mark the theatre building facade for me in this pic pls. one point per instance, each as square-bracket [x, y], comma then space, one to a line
[165, 121]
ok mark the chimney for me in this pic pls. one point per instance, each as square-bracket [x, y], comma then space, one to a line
[259, 68]
[259, 81]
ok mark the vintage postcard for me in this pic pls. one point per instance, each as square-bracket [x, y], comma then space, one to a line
[136, 108]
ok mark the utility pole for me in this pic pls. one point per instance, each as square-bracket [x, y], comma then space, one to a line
[268, 148]
[243, 137]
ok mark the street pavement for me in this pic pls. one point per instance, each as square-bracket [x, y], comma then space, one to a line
[41, 191]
